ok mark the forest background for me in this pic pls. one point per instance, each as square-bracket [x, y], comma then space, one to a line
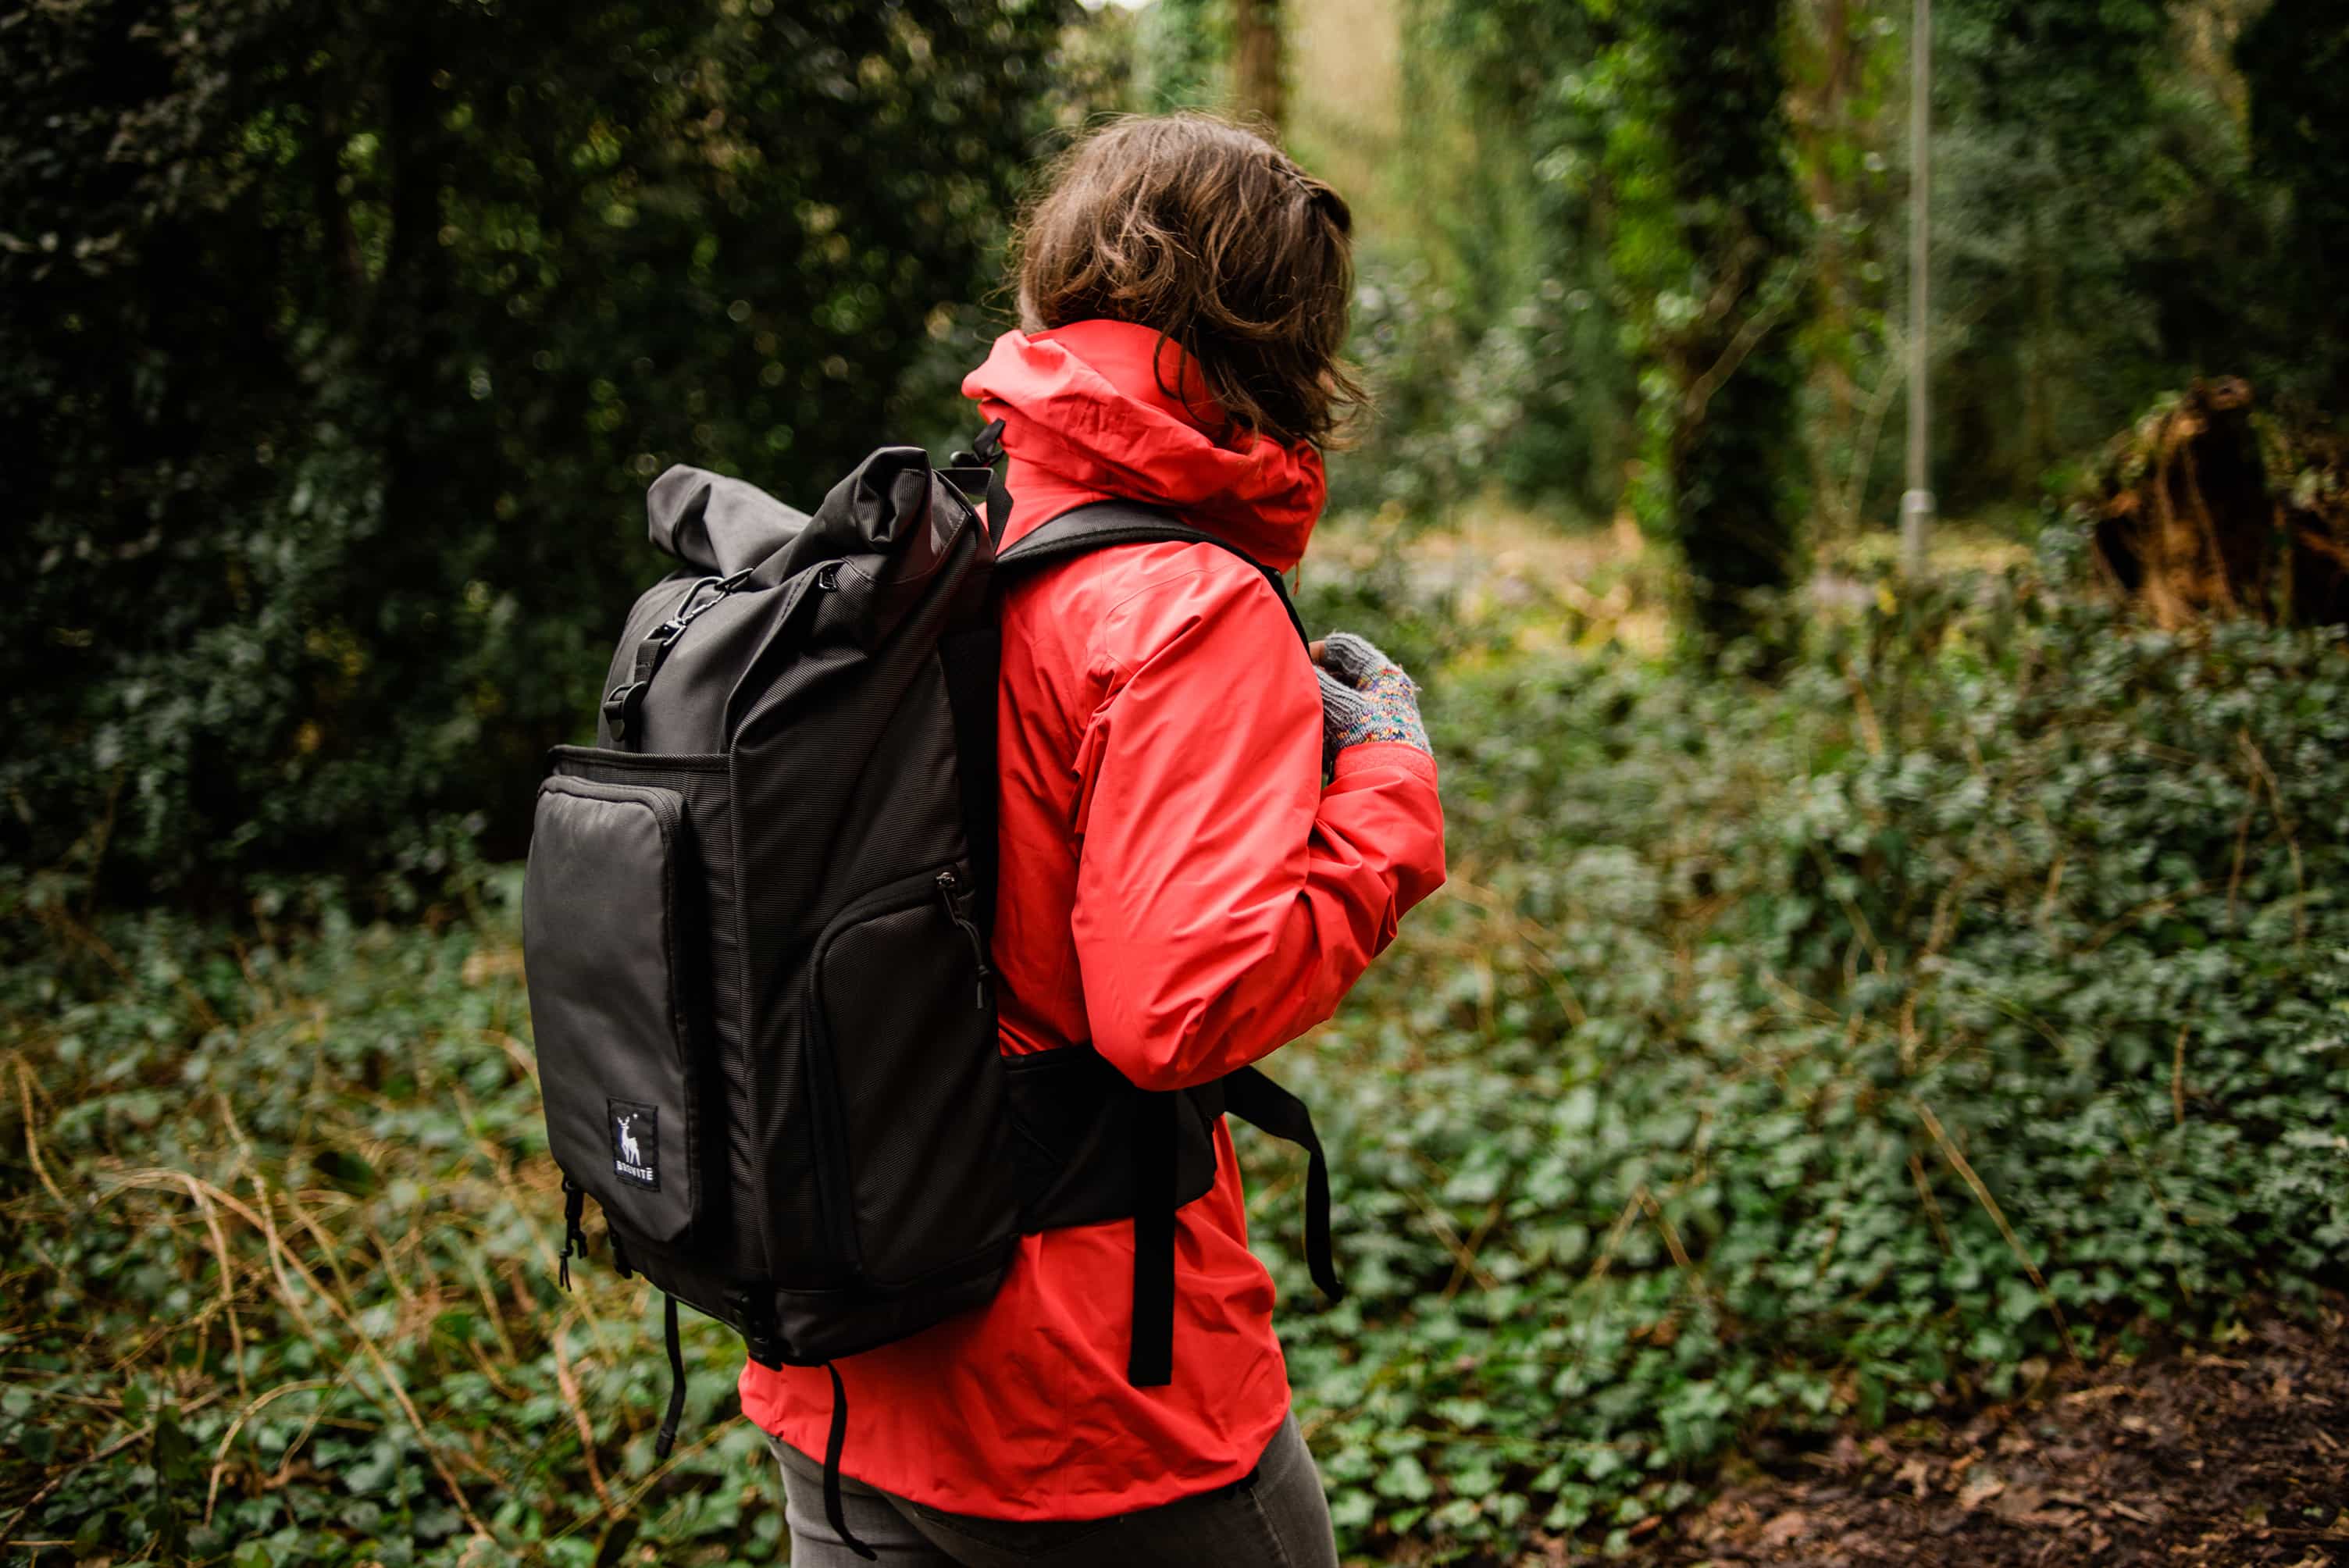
[1859, 996]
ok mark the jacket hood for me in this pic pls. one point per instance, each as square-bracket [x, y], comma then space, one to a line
[1107, 409]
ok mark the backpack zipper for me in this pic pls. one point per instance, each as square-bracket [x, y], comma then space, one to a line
[836, 1179]
[948, 886]
[834, 1183]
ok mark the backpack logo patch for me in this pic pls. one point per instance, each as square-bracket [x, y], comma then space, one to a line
[636, 1142]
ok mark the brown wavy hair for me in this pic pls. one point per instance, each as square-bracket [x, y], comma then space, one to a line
[1209, 234]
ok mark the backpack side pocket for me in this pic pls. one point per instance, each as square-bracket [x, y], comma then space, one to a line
[604, 933]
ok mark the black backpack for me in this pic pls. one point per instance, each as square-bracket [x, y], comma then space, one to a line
[755, 925]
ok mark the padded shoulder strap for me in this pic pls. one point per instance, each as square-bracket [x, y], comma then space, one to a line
[1084, 529]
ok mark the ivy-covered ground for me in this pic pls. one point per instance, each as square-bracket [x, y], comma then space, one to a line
[1966, 1008]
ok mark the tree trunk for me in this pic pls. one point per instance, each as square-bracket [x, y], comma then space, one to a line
[1719, 79]
[1255, 63]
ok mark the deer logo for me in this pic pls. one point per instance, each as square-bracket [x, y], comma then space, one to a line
[636, 1142]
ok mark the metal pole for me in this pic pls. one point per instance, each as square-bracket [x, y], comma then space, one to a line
[1917, 503]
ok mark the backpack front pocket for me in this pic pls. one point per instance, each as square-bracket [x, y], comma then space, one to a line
[901, 1047]
[605, 928]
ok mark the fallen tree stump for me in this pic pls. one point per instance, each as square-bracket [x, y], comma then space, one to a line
[2208, 508]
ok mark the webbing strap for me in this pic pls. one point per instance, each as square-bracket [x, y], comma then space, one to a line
[834, 1442]
[575, 1238]
[1150, 1359]
[998, 505]
[1083, 528]
[624, 706]
[668, 1438]
[1265, 1106]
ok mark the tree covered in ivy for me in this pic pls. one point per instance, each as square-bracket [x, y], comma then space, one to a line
[337, 342]
[1625, 269]
[1709, 251]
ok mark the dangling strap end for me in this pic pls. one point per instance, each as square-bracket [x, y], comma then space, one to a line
[1265, 1105]
[668, 1438]
[575, 1238]
[1150, 1357]
[834, 1511]
[988, 445]
[1320, 1257]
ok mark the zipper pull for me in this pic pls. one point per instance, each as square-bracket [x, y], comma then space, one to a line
[948, 884]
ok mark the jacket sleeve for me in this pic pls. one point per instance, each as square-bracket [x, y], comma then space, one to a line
[1226, 899]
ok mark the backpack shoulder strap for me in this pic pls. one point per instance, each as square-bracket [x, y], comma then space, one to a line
[1082, 529]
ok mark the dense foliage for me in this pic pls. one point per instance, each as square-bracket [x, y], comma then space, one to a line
[1661, 247]
[1975, 998]
[2127, 197]
[1976, 995]
[2093, 227]
[337, 345]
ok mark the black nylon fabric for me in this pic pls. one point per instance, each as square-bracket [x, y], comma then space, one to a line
[913, 1044]
[850, 783]
[717, 524]
[712, 983]
[685, 708]
[1150, 1357]
[1076, 1120]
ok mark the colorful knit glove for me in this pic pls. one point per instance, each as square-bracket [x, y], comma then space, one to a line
[1365, 697]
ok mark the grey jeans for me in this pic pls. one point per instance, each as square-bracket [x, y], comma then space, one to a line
[1276, 1518]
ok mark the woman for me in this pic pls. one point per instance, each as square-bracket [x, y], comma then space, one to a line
[1181, 890]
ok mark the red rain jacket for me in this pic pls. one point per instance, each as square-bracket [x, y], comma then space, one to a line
[1179, 891]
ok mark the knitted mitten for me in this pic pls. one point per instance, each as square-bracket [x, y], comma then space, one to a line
[1365, 698]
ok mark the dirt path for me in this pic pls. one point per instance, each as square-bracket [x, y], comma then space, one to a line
[2233, 1455]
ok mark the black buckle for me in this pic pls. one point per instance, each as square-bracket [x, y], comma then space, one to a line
[623, 710]
[986, 450]
[694, 607]
[624, 706]
[970, 479]
[757, 1325]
